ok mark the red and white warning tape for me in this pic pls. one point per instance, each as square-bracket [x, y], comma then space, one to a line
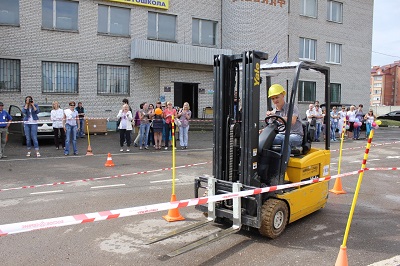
[102, 178]
[14, 228]
[360, 147]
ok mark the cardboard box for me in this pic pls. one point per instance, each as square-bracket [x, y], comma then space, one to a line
[96, 126]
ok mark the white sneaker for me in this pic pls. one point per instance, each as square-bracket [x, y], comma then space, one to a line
[28, 154]
[121, 149]
[128, 149]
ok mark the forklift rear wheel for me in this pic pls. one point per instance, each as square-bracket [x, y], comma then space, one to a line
[274, 217]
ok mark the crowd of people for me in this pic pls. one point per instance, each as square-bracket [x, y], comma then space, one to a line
[153, 124]
[350, 119]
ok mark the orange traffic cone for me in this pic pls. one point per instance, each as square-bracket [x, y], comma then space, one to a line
[89, 151]
[337, 187]
[342, 257]
[173, 214]
[109, 162]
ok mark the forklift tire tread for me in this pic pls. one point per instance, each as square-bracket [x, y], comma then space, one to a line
[274, 218]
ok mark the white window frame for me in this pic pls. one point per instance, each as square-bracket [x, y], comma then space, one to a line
[333, 53]
[74, 25]
[331, 15]
[9, 15]
[157, 25]
[305, 8]
[113, 80]
[109, 30]
[301, 95]
[10, 75]
[60, 77]
[306, 50]
[199, 39]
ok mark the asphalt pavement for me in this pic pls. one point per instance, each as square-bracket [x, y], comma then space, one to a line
[55, 185]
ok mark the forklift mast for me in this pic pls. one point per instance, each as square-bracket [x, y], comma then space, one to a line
[236, 130]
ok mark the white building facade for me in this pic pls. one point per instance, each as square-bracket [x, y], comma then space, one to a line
[101, 51]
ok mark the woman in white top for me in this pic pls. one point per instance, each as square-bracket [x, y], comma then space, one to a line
[342, 118]
[57, 115]
[370, 118]
[125, 127]
[71, 127]
[352, 118]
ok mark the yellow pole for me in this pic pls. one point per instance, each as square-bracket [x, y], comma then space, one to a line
[341, 144]
[87, 129]
[360, 177]
[173, 155]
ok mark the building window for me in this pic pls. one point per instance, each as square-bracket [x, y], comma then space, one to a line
[9, 12]
[204, 32]
[376, 98]
[377, 92]
[333, 53]
[10, 75]
[336, 91]
[377, 85]
[377, 77]
[58, 77]
[308, 8]
[113, 20]
[308, 49]
[161, 27]
[307, 91]
[335, 11]
[60, 14]
[112, 80]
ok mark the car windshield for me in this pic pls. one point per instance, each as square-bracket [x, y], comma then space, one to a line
[45, 111]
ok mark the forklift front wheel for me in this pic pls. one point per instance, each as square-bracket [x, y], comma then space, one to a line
[274, 217]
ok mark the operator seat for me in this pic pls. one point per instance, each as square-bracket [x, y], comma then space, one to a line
[305, 144]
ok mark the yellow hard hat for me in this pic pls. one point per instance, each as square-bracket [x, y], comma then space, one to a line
[275, 89]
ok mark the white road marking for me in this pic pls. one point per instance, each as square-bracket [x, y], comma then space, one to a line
[116, 185]
[393, 157]
[160, 181]
[46, 192]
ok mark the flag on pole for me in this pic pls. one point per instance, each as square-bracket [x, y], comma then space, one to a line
[275, 60]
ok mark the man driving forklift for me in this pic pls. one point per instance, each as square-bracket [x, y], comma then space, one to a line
[277, 94]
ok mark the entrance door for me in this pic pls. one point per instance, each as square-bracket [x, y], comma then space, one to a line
[187, 92]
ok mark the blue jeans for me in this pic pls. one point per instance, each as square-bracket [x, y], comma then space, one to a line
[144, 134]
[81, 132]
[184, 136]
[317, 130]
[368, 129]
[70, 130]
[356, 132]
[334, 126]
[31, 136]
[294, 140]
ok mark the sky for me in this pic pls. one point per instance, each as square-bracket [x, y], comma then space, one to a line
[386, 32]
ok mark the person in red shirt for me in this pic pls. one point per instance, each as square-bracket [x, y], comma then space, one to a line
[167, 114]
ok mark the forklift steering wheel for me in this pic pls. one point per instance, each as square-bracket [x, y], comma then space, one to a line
[276, 120]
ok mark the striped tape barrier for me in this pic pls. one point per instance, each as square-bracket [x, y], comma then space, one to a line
[95, 118]
[14, 228]
[373, 145]
[102, 178]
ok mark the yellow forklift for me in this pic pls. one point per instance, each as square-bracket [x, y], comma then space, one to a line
[245, 159]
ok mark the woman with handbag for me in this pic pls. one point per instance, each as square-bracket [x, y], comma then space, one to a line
[184, 116]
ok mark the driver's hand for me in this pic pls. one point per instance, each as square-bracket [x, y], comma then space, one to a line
[269, 113]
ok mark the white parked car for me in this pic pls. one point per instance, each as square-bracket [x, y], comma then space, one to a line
[45, 125]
